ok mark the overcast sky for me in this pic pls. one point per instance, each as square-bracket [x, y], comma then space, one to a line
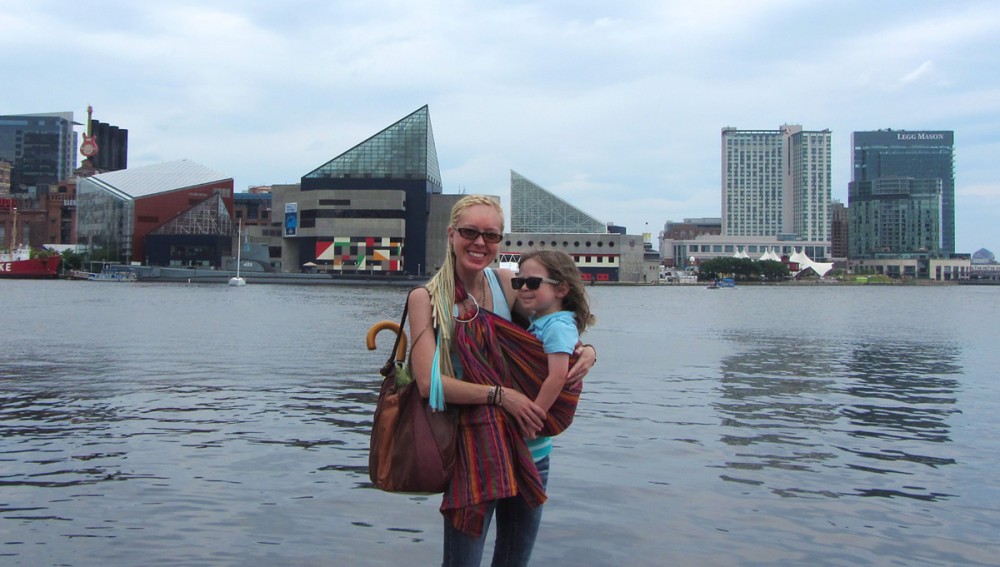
[616, 107]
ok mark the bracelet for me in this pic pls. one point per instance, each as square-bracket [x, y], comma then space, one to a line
[495, 396]
[593, 347]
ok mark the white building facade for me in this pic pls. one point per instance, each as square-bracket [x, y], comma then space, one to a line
[776, 183]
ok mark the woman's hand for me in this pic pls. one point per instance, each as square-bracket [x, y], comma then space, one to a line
[587, 357]
[525, 413]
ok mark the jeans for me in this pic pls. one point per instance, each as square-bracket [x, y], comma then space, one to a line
[517, 526]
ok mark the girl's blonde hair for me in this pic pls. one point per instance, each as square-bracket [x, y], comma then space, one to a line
[561, 267]
[441, 287]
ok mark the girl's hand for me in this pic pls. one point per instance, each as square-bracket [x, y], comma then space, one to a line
[587, 358]
[525, 413]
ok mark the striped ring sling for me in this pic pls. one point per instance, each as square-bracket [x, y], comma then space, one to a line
[493, 458]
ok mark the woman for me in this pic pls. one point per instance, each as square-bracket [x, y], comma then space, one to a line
[497, 472]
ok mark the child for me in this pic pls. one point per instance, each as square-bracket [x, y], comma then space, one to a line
[549, 286]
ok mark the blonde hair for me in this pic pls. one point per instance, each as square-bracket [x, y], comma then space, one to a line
[561, 266]
[441, 287]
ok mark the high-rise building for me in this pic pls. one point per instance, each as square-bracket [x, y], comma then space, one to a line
[916, 155]
[776, 183]
[41, 147]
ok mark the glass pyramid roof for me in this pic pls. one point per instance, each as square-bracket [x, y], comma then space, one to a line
[534, 209]
[404, 150]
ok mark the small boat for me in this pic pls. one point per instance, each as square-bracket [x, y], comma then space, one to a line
[237, 280]
[721, 284]
[114, 276]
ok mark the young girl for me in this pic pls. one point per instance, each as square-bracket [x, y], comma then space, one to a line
[550, 287]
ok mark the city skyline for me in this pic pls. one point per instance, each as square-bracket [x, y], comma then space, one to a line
[616, 109]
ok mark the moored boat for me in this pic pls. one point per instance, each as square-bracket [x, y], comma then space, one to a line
[20, 264]
[114, 276]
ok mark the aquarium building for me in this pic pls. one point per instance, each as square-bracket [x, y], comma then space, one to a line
[170, 214]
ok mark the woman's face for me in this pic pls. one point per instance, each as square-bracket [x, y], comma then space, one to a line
[476, 254]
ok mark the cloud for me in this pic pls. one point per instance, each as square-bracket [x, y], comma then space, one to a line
[925, 68]
[979, 191]
[617, 106]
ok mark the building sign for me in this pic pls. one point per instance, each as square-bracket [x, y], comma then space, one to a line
[291, 218]
[920, 136]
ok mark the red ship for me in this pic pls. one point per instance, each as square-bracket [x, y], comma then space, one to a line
[20, 264]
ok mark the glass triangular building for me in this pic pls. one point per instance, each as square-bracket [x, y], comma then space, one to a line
[404, 150]
[535, 210]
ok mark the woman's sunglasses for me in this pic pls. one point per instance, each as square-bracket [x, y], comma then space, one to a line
[532, 283]
[472, 234]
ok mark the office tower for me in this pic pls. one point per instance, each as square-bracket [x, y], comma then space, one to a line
[916, 155]
[776, 183]
[41, 148]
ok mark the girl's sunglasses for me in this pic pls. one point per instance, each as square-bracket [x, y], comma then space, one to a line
[532, 283]
[472, 234]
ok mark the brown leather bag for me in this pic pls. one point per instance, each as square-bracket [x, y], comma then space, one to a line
[412, 448]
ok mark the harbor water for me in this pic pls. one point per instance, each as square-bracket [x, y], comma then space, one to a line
[177, 424]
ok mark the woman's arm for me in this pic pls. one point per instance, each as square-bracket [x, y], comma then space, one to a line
[587, 358]
[525, 413]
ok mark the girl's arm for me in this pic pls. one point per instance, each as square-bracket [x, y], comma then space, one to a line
[554, 382]
[525, 413]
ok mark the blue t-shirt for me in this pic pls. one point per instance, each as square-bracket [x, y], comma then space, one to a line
[557, 331]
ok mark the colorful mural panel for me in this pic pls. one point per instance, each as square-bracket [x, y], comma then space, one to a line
[361, 253]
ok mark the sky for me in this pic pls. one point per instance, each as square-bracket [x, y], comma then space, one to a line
[616, 107]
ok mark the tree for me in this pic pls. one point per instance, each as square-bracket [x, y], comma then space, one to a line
[773, 271]
[71, 260]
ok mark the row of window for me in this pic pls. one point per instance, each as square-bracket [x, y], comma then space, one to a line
[565, 243]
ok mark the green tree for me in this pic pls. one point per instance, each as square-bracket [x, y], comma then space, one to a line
[773, 271]
[71, 260]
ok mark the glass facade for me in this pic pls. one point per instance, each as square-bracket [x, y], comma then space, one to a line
[894, 216]
[404, 150]
[104, 222]
[913, 154]
[535, 210]
[41, 147]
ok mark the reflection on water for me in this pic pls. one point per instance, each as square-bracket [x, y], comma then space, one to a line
[818, 406]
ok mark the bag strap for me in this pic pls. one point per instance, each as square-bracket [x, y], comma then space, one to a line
[399, 336]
